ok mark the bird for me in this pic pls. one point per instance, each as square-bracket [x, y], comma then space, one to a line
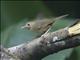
[42, 25]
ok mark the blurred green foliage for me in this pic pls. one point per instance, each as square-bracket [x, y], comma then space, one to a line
[14, 14]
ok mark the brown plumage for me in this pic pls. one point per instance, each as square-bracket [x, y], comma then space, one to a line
[41, 26]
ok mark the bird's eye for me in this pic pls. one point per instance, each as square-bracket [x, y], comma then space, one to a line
[28, 24]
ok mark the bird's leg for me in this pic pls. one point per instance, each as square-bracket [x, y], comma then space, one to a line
[44, 33]
[47, 31]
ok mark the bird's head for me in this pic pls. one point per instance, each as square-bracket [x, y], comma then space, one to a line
[28, 25]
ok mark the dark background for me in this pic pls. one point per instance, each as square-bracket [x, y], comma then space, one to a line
[63, 7]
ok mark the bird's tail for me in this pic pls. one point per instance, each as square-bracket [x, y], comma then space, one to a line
[75, 28]
[60, 17]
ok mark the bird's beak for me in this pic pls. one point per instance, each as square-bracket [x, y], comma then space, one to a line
[23, 27]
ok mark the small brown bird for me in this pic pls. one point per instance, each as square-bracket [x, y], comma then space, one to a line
[41, 26]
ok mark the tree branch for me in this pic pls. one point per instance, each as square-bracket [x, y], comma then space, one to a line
[45, 45]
